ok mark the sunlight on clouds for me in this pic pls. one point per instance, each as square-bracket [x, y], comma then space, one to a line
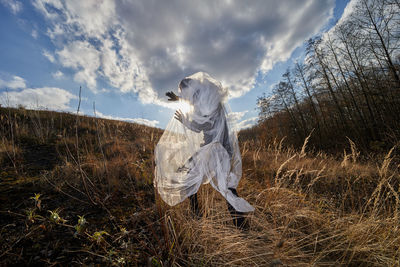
[84, 58]
[149, 55]
[41, 5]
[95, 17]
[247, 123]
[234, 117]
[49, 56]
[57, 75]
[13, 5]
[39, 98]
[349, 9]
[15, 83]
[151, 123]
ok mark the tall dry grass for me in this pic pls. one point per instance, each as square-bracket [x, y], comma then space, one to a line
[311, 210]
[80, 166]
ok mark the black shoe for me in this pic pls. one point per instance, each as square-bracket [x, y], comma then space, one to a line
[238, 218]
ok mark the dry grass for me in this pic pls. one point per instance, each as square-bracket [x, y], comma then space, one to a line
[311, 208]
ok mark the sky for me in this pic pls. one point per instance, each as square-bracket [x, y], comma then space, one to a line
[125, 55]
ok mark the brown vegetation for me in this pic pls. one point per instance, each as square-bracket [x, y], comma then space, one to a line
[78, 190]
[56, 167]
[348, 86]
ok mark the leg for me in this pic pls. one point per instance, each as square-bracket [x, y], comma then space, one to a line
[194, 205]
[237, 217]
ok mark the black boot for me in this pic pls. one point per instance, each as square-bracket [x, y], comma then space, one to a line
[237, 217]
[194, 205]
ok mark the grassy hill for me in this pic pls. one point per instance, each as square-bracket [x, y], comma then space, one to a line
[78, 190]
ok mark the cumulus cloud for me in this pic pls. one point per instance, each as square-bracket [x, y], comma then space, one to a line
[347, 13]
[38, 98]
[151, 123]
[13, 5]
[34, 34]
[349, 9]
[147, 47]
[57, 75]
[238, 124]
[15, 82]
[246, 123]
[47, 7]
[234, 117]
[82, 57]
[49, 56]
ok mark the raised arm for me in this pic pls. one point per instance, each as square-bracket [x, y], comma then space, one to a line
[192, 125]
[172, 96]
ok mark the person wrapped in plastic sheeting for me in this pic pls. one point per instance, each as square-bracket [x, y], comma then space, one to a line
[200, 146]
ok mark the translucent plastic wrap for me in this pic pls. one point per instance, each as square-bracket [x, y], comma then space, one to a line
[201, 149]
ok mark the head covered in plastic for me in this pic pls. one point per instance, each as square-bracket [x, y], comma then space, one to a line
[203, 92]
[201, 148]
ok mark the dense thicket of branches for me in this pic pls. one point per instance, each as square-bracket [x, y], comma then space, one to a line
[347, 86]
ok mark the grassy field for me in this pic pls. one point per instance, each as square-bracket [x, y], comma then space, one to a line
[78, 190]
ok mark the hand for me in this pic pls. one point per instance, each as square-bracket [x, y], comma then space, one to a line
[172, 96]
[179, 115]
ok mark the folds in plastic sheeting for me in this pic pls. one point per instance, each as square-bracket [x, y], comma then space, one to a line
[202, 149]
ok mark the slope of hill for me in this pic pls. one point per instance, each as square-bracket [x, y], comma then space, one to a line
[78, 190]
[56, 167]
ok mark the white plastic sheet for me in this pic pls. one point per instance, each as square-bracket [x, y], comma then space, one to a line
[201, 149]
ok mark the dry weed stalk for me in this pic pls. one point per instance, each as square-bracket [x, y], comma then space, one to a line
[354, 151]
[303, 148]
[310, 210]
[303, 219]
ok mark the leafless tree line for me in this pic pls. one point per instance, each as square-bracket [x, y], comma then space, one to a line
[347, 86]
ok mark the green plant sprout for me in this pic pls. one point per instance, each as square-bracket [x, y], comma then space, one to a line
[37, 200]
[98, 236]
[82, 220]
[80, 227]
[31, 215]
[55, 217]
[124, 231]
[121, 261]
